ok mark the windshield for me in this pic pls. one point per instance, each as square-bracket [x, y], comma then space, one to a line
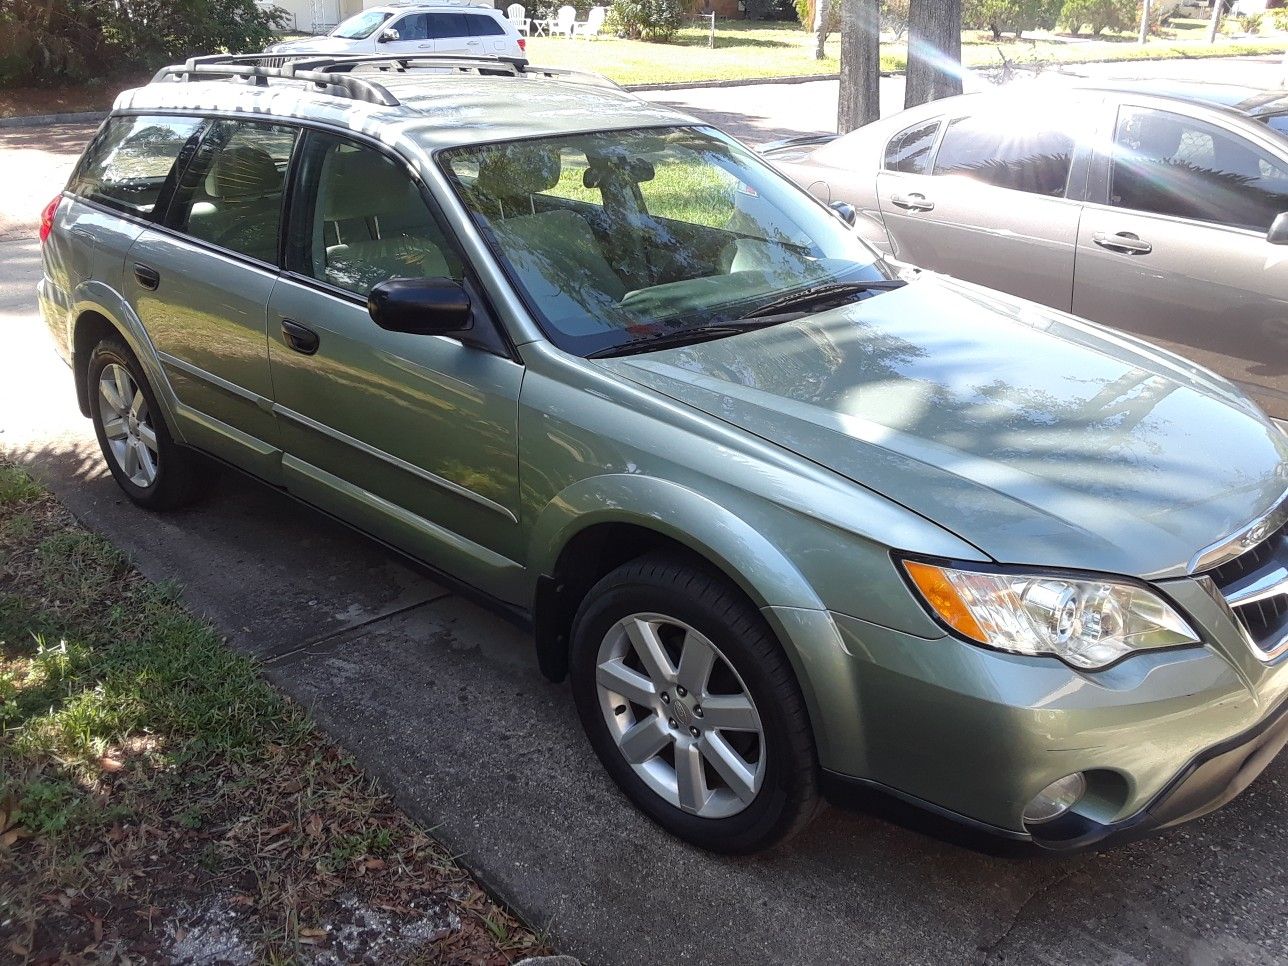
[360, 25]
[619, 237]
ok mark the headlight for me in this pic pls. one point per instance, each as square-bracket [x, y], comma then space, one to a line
[1088, 623]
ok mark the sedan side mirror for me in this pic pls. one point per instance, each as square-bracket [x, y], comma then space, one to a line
[845, 211]
[1278, 233]
[421, 306]
[387, 35]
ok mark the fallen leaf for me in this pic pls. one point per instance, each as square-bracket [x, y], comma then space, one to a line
[110, 764]
[314, 826]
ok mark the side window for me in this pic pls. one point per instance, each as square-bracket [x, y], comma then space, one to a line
[481, 25]
[1007, 151]
[1169, 164]
[130, 161]
[412, 27]
[443, 25]
[366, 223]
[231, 193]
[909, 150]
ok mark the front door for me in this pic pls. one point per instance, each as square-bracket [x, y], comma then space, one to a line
[411, 437]
[994, 209]
[202, 286]
[1178, 253]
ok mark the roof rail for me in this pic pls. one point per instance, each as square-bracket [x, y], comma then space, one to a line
[336, 73]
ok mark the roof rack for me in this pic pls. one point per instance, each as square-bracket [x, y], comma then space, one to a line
[334, 74]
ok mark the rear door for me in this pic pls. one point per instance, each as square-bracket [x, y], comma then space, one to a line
[201, 285]
[451, 34]
[1176, 250]
[999, 206]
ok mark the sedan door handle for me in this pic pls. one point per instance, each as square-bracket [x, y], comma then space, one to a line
[915, 201]
[147, 276]
[1125, 242]
[299, 337]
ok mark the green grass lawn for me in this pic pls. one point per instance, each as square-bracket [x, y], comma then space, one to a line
[745, 51]
[147, 769]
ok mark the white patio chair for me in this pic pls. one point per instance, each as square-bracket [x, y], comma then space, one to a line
[564, 20]
[518, 17]
[592, 25]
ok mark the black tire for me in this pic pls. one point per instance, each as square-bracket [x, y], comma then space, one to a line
[685, 589]
[180, 473]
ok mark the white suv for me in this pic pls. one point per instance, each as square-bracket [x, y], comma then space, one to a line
[467, 27]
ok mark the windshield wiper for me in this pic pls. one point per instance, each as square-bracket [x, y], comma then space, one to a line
[669, 340]
[823, 294]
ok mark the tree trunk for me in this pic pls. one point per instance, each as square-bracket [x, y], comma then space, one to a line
[822, 11]
[860, 99]
[1144, 20]
[1215, 24]
[934, 51]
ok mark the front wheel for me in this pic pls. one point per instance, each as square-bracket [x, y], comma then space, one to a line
[692, 706]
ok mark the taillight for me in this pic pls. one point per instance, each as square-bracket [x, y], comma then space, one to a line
[523, 45]
[47, 218]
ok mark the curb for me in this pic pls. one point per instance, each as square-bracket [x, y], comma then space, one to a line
[738, 82]
[42, 120]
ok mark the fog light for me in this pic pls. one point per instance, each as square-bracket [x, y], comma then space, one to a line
[1056, 799]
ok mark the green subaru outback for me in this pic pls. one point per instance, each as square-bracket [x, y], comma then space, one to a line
[793, 518]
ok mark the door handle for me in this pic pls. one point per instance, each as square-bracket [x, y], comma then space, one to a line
[147, 276]
[1125, 242]
[915, 201]
[424, 46]
[299, 337]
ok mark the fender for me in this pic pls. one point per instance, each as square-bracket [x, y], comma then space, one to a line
[683, 515]
[97, 297]
[788, 603]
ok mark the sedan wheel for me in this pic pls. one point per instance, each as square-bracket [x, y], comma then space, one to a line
[127, 424]
[680, 715]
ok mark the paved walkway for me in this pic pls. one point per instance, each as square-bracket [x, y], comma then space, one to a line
[442, 701]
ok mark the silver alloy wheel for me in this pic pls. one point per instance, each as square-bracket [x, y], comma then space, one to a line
[127, 424]
[702, 750]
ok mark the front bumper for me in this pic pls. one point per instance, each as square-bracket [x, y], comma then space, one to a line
[974, 735]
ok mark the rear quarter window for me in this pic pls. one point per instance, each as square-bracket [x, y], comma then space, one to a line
[131, 160]
[909, 150]
[481, 25]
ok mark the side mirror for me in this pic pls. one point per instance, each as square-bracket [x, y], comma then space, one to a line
[1278, 233]
[387, 35]
[845, 211]
[421, 306]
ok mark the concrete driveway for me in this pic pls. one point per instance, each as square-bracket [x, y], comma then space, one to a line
[442, 701]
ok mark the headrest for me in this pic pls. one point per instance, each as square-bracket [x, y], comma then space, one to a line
[515, 170]
[358, 184]
[243, 172]
[638, 170]
[1159, 137]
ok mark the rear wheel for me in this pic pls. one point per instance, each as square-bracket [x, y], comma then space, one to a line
[153, 470]
[692, 706]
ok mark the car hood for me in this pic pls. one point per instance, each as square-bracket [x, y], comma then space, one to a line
[313, 45]
[1037, 437]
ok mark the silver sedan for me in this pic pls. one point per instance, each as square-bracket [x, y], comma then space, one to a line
[1159, 209]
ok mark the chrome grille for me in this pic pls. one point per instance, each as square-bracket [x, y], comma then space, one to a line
[1255, 585]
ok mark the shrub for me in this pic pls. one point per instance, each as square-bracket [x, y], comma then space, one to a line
[1016, 16]
[1279, 17]
[1100, 15]
[1250, 23]
[73, 40]
[656, 20]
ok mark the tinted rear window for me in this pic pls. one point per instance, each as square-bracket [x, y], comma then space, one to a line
[130, 161]
[481, 25]
[909, 150]
[446, 25]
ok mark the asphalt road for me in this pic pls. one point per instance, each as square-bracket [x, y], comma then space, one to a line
[443, 703]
